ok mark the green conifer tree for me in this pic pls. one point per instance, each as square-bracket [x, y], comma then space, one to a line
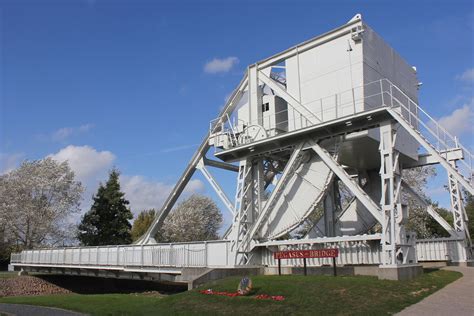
[142, 223]
[107, 222]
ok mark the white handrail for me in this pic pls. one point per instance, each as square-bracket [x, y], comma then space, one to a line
[383, 93]
[449, 141]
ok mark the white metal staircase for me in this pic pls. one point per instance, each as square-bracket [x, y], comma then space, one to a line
[436, 140]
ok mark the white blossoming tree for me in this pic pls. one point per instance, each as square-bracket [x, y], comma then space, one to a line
[419, 220]
[37, 200]
[196, 218]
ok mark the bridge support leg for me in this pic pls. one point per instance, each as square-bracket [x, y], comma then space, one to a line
[459, 219]
[332, 206]
[248, 205]
[398, 251]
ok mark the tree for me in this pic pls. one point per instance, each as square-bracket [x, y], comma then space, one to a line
[469, 208]
[107, 222]
[417, 178]
[426, 226]
[419, 220]
[37, 200]
[142, 223]
[196, 218]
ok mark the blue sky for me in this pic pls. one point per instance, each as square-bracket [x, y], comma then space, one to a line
[125, 83]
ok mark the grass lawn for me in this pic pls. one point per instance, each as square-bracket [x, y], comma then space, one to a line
[310, 295]
[7, 275]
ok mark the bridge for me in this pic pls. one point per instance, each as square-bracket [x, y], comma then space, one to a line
[293, 132]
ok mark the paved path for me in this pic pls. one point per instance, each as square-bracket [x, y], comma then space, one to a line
[29, 310]
[455, 299]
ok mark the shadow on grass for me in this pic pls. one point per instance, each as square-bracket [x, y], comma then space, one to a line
[96, 285]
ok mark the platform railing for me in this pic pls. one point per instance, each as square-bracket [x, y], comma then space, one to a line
[377, 94]
[332, 107]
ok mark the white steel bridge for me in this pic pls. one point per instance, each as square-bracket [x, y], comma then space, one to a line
[338, 110]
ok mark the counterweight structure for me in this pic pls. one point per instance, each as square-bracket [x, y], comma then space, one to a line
[340, 110]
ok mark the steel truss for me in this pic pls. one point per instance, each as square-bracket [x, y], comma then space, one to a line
[397, 246]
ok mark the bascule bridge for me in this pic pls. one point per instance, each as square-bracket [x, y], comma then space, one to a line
[338, 111]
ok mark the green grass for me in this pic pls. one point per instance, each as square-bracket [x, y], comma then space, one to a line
[311, 295]
[13, 274]
[8, 275]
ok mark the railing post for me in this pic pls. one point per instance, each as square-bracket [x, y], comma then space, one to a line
[353, 101]
[437, 137]
[381, 92]
[187, 255]
[117, 256]
[408, 100]
[171, 256]
[322, 116]
[409, 112]
[445, 144]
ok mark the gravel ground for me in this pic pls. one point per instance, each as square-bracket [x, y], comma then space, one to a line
[29, 285]
[61, 284]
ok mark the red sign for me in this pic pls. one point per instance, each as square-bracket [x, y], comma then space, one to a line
[300, 254]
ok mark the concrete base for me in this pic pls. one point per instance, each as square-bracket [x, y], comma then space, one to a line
[324, 270]
[468, 263]
[400, 273]
[433, 264]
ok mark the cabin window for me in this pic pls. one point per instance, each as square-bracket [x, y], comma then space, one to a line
[265, 107]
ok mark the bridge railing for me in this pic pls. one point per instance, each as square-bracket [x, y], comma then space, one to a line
[440, 249]
[193, 254]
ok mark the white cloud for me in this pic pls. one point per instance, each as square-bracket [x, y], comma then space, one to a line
[467, 76]
[87, 163]
[460, 120]
[220, 65]
[8, 162]
[85, 128]
[63, 133]
[146, 194]
[91, 167]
